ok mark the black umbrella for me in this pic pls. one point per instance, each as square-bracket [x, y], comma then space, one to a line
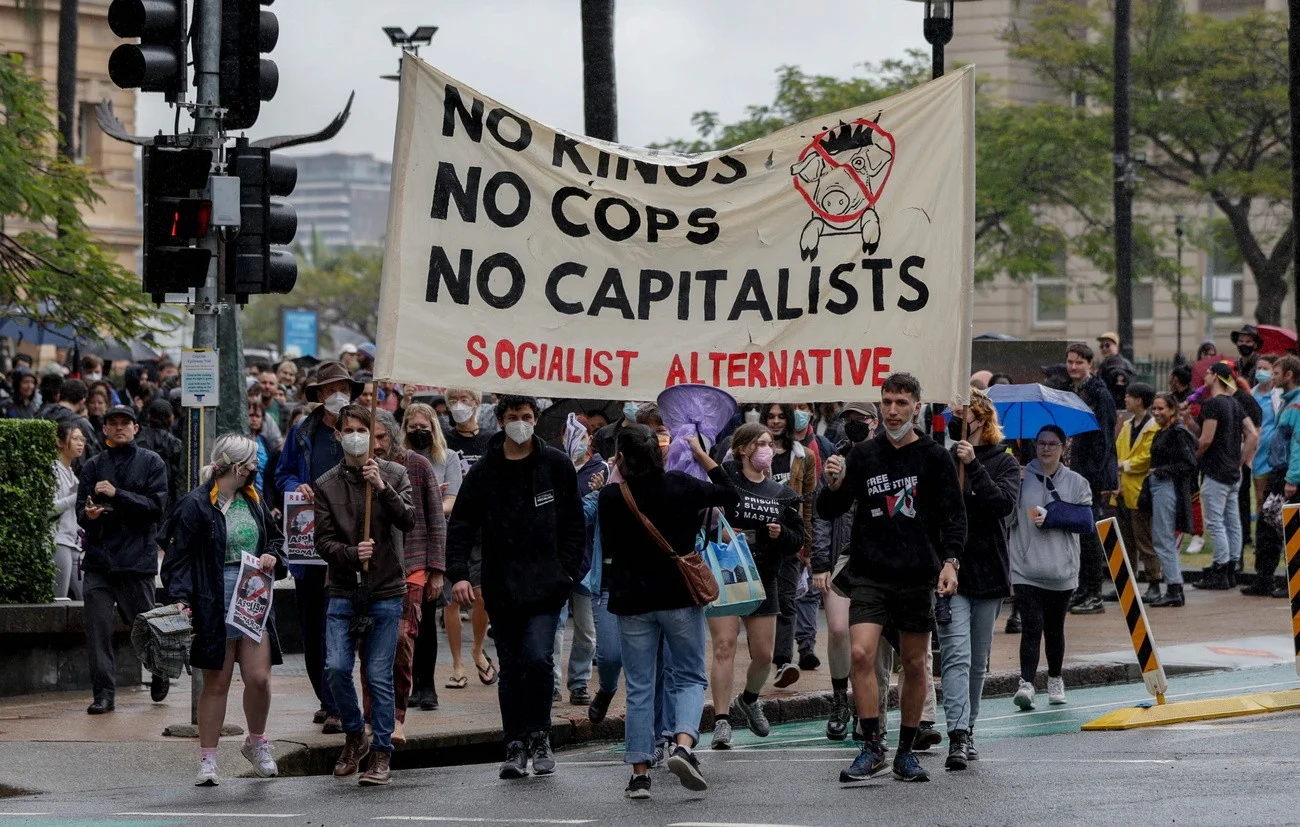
[550, 425]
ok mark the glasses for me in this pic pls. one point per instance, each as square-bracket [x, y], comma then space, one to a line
[1047, 446]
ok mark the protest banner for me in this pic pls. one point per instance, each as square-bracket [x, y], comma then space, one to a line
[250, 604]
[809, 264]
[300, 530]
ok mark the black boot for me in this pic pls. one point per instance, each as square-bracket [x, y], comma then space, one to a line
[1152, 593]
[1214, 578]
[1173, 596]
[1013, 622]
[1260, 586]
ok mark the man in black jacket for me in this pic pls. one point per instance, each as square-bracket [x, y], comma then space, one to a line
[523, 497]
[156, 436]
[71, 407]
[1092, 456]
[121, 498]
[907, 540]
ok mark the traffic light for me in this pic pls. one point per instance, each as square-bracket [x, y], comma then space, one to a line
[252, 267]
[175, 219]
[157, 62]
[247, 78]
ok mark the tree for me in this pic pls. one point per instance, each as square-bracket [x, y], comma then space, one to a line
[1209, 100]
[58, 277]
[342, 286]
[599, 102]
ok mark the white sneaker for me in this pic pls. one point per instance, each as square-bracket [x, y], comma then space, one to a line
[260, 757]
[207, 776]
[1195, 546]
[1025, 695]
[1056, 691]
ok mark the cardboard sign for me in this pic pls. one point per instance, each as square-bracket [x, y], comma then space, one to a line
[300, 530]
[250, 604]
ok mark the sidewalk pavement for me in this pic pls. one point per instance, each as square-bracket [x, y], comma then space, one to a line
[50, 743]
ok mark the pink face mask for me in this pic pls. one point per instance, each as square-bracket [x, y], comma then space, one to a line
[762, 458]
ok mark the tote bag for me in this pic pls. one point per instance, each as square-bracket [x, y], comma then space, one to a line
[740, 589]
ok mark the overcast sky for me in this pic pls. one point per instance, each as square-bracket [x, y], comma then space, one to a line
[674, 58]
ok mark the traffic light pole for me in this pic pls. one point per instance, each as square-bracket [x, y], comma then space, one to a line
[207, 135]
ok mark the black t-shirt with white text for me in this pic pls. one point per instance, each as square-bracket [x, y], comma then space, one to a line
[1221, 462]
[470, 448]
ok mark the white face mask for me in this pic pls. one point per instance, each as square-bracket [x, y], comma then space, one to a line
[751, 417]
[579, 452]
[336, 402]
[355, 444]
[94, 377]
[519, 432]
[461, 412]
[900, 434]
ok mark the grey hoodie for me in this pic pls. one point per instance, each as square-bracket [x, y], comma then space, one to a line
[1046, 558]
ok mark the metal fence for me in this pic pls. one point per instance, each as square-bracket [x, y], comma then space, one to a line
[1154, 372]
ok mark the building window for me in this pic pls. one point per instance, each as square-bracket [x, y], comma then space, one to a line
[1144, 301]
[1050, 300]
[1227, 284]
[90, 138]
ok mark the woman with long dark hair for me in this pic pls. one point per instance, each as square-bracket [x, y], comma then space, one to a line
[213, 527]
[649, 595]
[1169, 488]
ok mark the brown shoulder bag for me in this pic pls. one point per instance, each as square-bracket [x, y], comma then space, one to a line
[699, 578]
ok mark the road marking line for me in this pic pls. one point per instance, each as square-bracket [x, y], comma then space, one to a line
[460, 820]
[728, 824]
[217, 815]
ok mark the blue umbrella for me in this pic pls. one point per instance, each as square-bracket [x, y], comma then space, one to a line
[1023, 410]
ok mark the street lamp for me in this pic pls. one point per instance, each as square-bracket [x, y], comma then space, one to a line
[937, 28]
[412, 42]
[1178, 292]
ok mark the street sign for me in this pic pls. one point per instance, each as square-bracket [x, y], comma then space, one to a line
[300, 329]
[200, 378]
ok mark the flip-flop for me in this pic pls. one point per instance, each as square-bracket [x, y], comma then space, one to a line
[457, 682]
[487, 674]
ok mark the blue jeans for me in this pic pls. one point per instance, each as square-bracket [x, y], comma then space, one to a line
[683, 632]
[1222, 519]
[609, 651]
[806, 609]
[583, 648]
[525, 645]
[378, 648]
[964, 646]
[1164, 515]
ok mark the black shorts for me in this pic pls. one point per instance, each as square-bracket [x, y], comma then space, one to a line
[475, 576]
[767, 573]
[907, 608]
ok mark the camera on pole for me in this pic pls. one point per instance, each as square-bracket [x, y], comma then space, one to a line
[247, 78]
[252, 266]
[157, 62]
[176, 218]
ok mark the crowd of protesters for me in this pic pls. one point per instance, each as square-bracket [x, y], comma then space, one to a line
[431, 501]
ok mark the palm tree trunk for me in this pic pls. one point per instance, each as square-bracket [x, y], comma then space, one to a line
[600, 107]
[67, 78]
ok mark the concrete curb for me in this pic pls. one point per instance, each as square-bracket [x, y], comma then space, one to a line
[483, 745]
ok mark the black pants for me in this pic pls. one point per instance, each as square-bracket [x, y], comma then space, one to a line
[787, 580]
[1269, 538]
[1042, 617]
[526, 646]
[313, 602]
[1093, 570]
[107, 595]
[1244, 495]
[426, 646]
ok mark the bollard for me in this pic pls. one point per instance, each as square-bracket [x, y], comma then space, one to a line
[1291, 529]
[1144, 645]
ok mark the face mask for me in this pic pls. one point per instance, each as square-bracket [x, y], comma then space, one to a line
[519, 432]
[336, 402]
[1263, 376]
[752, 417]
[94, 377]
[801, 420]
[762, 458]
[1245, 348]
[356, 444]
[445, 421]
[420, 440]
[629, 411]
[856, 431]
[901, 433]
[578, 451]
[461, 413]
[954, 429]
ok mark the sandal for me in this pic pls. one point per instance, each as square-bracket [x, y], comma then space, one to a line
[457, 682]
[487, 674]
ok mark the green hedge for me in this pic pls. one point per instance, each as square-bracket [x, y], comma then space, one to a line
[28, 449]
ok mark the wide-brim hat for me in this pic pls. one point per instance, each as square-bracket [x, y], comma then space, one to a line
[327, 373]
[1246, 330]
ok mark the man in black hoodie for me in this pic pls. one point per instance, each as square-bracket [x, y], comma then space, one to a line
[1092, 456]
[908, 535]
[71, 407]
[523, 498]
[121, 498]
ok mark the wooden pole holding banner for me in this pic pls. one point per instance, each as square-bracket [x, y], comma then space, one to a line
[1291, 530]
[370, 454]
[1144, 644]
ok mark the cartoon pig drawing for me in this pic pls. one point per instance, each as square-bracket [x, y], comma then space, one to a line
[841, 175]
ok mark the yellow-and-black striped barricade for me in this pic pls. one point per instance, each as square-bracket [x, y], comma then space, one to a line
[1144, 644]
[1291, 528]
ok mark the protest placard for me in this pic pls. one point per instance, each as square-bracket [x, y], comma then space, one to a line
[250, 604]
[808, 264]
[300, 530]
